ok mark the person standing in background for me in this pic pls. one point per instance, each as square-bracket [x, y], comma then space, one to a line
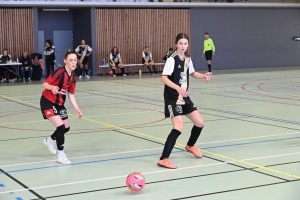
[83, 52]
[209, 51]
[49, 57]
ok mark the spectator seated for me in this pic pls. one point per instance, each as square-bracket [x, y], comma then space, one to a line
[37, 66]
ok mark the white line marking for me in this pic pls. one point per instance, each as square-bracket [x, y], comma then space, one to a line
[280, 155]
[292, 133]
[153, 172]
[74, 158]
[115, 177]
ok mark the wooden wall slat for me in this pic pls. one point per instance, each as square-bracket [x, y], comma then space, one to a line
[132, 29]
[16, 32]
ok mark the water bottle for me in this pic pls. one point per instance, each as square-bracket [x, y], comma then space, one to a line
[89, 72]
[17, 60]
[103, 62]
[140, 72]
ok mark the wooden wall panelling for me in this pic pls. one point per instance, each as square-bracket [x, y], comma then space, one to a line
[16, 32]
[132, 29]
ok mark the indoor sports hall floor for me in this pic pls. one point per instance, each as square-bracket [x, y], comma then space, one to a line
[251, 140]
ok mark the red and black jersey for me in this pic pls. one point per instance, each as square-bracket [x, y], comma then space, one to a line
[64, 81]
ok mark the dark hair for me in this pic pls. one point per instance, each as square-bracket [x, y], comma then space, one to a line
[112, 50]
[68, 52]
[5, 49]
[182, 36]
[146, 47]
[206, 33]
[171, 49]
[49, 42]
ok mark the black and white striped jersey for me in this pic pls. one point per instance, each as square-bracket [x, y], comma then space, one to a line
[178, 70]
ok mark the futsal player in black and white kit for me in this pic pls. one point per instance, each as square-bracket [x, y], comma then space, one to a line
[49, 57]
[175, 76]
[116, 61]
[148, 61]
[83, 51]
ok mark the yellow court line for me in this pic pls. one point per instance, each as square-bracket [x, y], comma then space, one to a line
[161, 139]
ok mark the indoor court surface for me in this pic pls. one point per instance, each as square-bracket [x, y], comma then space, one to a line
[250, 141]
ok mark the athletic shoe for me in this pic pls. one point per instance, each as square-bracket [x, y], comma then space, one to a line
[114, 75]
[124, 75]
[11, 80]
[208, 73]
[29, 79]
[194, 150]
[62, 159]
[80, 76]
[166, 163]
[50, 145]
[87, 76]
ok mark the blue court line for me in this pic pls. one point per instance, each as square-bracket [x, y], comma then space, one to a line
[83, 163]
[145, 155]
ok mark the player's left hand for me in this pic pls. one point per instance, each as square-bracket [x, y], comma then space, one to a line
[206, 78]
[79, 113]
[214, 53]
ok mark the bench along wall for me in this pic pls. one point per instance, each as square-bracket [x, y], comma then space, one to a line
[16, 32]
[132, 29]
[246, 37]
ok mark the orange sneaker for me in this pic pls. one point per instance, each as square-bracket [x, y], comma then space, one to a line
[194, 150]
[166, 163]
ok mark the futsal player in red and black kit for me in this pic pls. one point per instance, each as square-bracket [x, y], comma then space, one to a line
[58, 85]
[175, 76]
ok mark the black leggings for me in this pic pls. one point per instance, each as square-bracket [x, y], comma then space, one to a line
[49, 65]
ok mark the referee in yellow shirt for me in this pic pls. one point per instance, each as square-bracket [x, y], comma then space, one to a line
[209, 51]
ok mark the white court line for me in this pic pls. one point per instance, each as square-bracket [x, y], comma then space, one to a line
[74, 158]
[91, 116]
[280, 155]
[153, 172]
[115, 177]
[249, 138]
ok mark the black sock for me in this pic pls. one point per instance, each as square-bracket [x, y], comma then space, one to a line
[209, 67]
[86, 72]
[114, 71]
[195, 133]
[80, 72]
[170, 143]
[123, 71]
[149, 68]
[155, 72]
[60, 137]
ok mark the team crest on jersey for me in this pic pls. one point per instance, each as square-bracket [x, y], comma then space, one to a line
[178, 109]
[179, 66]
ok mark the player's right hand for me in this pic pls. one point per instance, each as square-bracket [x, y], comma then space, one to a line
[54, 89]
[182, 92]
[202, 54]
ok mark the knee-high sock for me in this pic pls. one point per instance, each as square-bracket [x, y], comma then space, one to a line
[170, 143]
[209, 67]
[195, 133]
[123, 71]
[59, 136]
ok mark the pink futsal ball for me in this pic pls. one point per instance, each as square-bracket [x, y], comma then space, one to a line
[135, 181]
[111, 73]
